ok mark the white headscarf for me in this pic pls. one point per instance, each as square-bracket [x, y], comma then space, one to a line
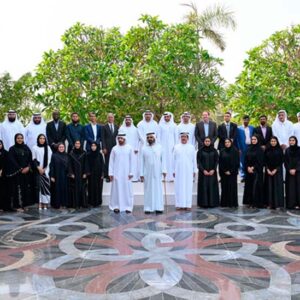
[163, 121]
[32, 131]
[181, 118]
[6, 121]
[9, 129]
[152, 116]
[277, 121]
[282, 130]
[123, 135]
[124, 123]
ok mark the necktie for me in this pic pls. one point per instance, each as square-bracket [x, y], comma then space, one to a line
[228, 130]
[111, 128]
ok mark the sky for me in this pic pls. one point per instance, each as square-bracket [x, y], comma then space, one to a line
[30, 27]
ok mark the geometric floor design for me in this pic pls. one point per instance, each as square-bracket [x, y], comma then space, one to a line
[202, 254]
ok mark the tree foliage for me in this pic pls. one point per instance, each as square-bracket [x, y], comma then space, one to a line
[270, 79]
[152, 66]
[17, 95]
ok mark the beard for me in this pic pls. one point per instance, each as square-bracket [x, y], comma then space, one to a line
[37, 122]
[12, 119]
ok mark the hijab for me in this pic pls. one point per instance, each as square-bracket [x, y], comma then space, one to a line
[45, 146]
[2, 157]
[208, 148]
[294, 149]
[63, 156]
[273, 154]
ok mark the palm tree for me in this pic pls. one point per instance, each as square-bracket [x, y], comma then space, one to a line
[209, 20]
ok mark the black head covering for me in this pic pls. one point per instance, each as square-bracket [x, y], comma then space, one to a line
[257, 145]
[2, 149]
[269, 146]
[294, 148]
[273, 154]
[228, 149]
[208, 148]
[96, 152]
[16, 144]
[45, 146]
[2, 155]
[58, 147]
[77, 151]
[62, 156]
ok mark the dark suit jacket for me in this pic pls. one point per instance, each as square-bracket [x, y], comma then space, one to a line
[109, 139]
[222, 134]
[200, 132]
[269, 134]
[56, 136]
[89, 136]
[74, 133]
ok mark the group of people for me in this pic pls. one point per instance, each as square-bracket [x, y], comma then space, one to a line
[65, 165]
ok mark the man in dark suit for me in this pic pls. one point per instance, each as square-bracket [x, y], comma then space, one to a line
[74, 131]
[56, 131]
[227, 130]
[110, 131]
[263, 131]
[92, 132]
[205, 128]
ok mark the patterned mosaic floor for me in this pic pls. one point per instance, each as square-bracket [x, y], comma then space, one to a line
[202, 254]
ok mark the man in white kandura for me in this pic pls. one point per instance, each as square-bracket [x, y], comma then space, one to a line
[36, 127]
[282, 128]
[148, 124]
[120, 175]
[297, 128]
[132, 139]
[185, 168]
[9, 128]
[186, 126]
[168, 139]
[152, 169]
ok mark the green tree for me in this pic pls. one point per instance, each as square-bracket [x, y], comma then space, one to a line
[270, 78]
[152, 66]
[18, 95]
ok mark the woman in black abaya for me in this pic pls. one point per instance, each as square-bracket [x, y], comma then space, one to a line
[292, 165]
[95, 173]
[4, 199]
[254, 164]
[77, 174]
[208, 189]
[18, 173]
[274, 192]
[229, 163]
[59, 177]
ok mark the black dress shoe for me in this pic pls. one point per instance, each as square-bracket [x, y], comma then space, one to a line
[116, 211]
[147, 212]
[159, 211]
[128, 211]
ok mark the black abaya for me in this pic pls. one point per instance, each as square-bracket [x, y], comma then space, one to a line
[19, 157]
[208, 189]
[59, 171]
[229, 161]
[95, 172]
[78, 188]
[274, 191]
[292, 161]
[254, 192]
[4, 199]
